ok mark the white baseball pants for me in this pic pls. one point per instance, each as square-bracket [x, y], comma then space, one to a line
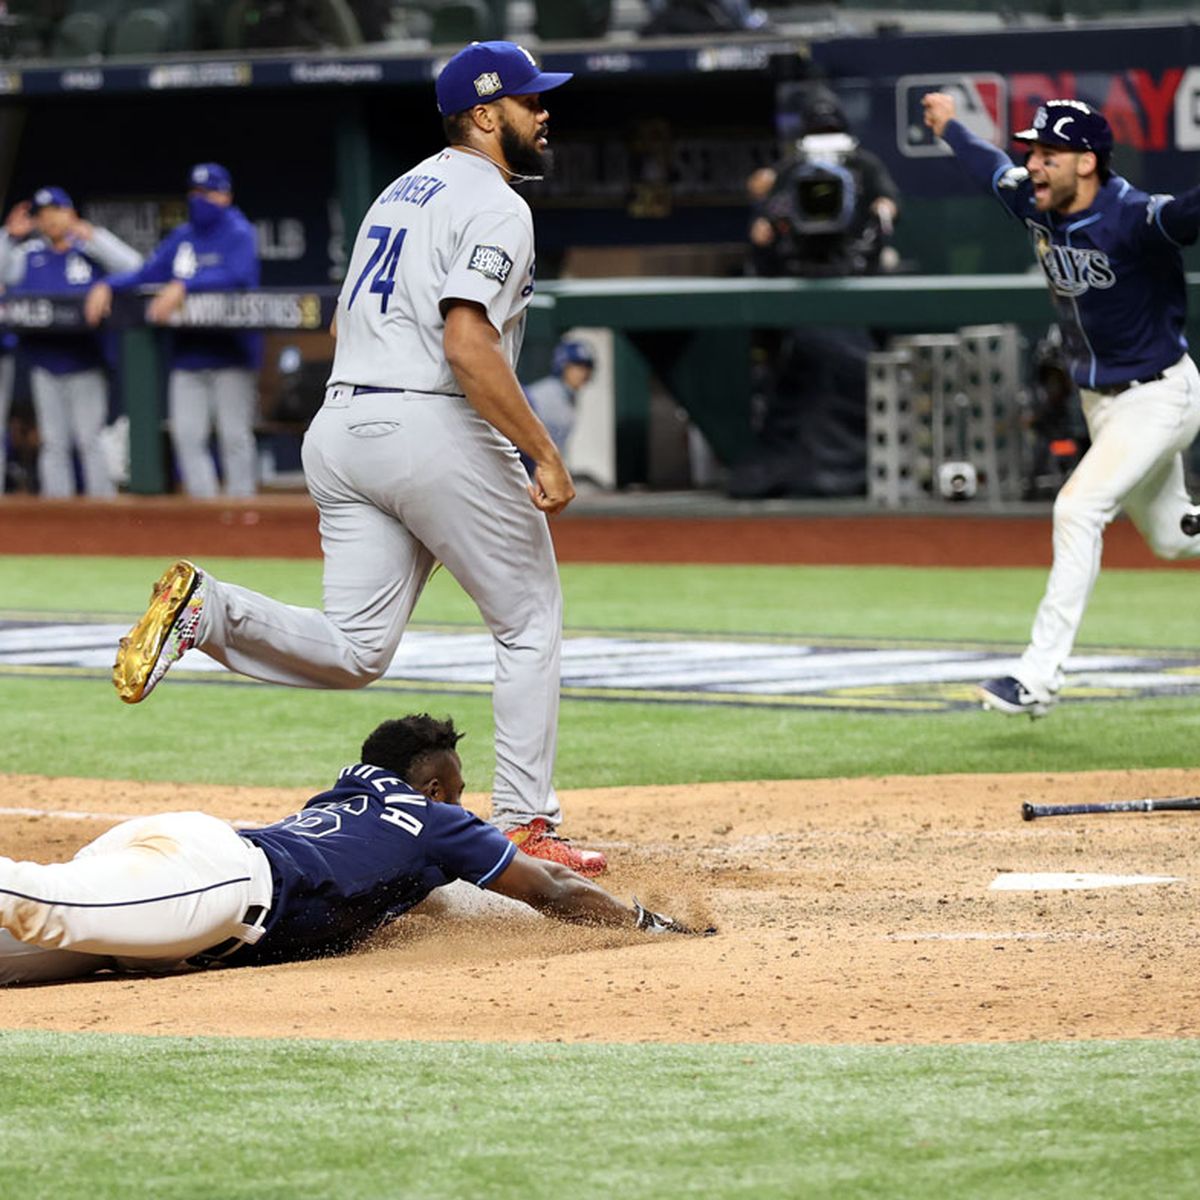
[402, 480]
[145, 896]
[71, 411]
[1135, 463]
[226, 397]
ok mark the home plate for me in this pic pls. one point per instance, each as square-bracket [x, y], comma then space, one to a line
[1050, 881]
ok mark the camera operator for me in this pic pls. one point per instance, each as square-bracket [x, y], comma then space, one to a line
[826, 210]
[829, 207]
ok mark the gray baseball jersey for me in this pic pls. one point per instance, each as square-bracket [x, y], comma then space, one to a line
[449, 229]
[406, 473]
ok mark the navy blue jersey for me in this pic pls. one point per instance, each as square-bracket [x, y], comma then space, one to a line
[223, 258]
[1114, 269]
[360, 855]
[55, 272]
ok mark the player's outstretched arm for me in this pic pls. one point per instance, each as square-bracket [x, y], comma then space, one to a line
[477, 359]
[557, 891]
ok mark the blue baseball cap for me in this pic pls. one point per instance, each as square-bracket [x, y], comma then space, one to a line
[568, 352]
[485, 71]
[211, 176]
[50, 197]
[1070, 124]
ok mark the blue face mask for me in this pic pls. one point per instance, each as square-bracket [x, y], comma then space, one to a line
[203, 213]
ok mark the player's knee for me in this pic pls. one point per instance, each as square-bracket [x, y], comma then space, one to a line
[1071, 509]
[368, 664]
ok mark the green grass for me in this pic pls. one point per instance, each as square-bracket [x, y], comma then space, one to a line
[103, 1116]
[196, 733]
[300, 738]
[1129, 608]
[96, 1116]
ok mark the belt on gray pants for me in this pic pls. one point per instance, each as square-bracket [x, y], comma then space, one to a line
[206, 958]
[374, 391]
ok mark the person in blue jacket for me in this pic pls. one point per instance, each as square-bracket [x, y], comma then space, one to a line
[1111, 256]
[214, 372]
[46, 249]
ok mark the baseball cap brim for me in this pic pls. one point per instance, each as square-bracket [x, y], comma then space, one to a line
[543, 81]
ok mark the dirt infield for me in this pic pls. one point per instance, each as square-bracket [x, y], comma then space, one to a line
[285, 526]
[849, 911]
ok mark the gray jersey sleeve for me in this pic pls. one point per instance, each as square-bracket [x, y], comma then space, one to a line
[492, 264]
[12, 260]
[114, 255]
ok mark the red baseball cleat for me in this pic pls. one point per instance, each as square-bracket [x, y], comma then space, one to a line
[539, 840]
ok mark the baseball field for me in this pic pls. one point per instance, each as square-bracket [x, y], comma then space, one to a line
[913, 992]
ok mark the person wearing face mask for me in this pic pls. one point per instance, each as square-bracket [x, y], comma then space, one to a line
[213, 372]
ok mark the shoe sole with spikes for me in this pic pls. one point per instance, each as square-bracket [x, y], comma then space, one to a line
[158, 640]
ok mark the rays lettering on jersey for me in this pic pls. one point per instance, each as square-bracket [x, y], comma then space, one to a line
[1071, 270]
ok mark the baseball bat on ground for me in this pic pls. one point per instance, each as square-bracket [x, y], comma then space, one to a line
[1170, 804]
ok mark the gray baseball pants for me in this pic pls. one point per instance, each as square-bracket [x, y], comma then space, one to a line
[7, 370]
[71, 410]
[226, 397]
[402, 480]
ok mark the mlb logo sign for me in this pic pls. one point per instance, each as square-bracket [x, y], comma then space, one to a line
[980, 97]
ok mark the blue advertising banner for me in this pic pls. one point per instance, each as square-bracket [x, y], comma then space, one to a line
[1141, 77]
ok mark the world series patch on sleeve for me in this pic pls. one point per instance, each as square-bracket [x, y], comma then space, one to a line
[491, 261]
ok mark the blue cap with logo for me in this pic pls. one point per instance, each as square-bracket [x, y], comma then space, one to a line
[211, 176]
[50, 197]
[1070, 124]
[485, 71]
[567, 352]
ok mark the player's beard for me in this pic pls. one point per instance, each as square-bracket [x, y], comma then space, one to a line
[522, 154]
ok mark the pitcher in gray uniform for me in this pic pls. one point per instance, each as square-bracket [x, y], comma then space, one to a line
[413, 458]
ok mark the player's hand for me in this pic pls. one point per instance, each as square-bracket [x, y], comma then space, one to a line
[20, 223]
[168, 302]
[761, 232]
[551, 489]
[83, 230]
[885, 210]
[97, 304]
[652, 922]
[760, 182]
[939, 109]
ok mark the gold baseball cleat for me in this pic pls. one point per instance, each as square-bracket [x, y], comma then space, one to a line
[166, 631]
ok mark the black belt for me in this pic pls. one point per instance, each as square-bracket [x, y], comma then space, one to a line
[254, 914]
[1115, 389]
[357, 390]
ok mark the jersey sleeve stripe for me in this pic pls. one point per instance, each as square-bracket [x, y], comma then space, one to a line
[505, 859]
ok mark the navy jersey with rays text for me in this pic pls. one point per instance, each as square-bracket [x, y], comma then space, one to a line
[1114, 269]
[360, 855]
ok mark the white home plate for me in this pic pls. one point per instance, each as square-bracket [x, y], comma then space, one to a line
[1042, 881]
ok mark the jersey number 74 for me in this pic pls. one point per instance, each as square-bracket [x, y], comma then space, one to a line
[384, 260]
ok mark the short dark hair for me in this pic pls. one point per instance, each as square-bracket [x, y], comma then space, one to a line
[456, 126]
[402, 745]
[1103, 169]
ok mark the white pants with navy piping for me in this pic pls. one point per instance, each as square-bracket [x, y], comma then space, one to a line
[145, 896]
[1135, 463]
